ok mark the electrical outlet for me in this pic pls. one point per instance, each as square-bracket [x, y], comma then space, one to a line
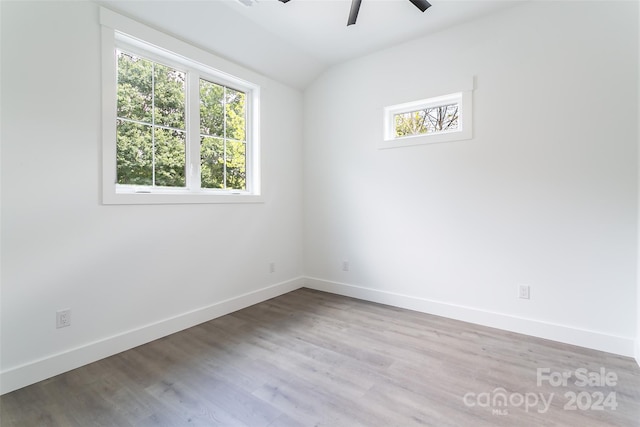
[272, 267]
[63, 318]
[345, 265]
[523, 291]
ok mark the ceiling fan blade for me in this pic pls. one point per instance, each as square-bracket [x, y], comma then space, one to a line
[353, 15]
[420, 4]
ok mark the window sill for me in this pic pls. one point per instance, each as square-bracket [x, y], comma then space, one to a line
[425, 139]
[113, 198]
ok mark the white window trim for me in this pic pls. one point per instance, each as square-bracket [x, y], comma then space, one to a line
[119, 31]
[464, 130]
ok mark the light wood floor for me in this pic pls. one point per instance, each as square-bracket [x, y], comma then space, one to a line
[309, 358]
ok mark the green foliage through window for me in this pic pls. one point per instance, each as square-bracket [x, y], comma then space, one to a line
[151, 128]
[150, 124]
[222, 137]
[442, 118]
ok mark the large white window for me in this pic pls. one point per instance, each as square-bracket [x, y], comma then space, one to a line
[175, 130]
[437, 119]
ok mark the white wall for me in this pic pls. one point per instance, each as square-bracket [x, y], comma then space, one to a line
[638, 263]
[545, 194]
[128, 273]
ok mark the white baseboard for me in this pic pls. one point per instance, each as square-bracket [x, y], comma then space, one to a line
[551, 331]
[32, 372]
[638, 346]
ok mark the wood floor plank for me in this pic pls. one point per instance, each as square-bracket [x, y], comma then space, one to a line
[309, 358]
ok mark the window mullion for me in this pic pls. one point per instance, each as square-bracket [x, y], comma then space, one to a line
[193, 130]
[224, 136]
[153, 124]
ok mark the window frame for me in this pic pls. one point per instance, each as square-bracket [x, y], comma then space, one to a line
[465, 121]
[119, 32]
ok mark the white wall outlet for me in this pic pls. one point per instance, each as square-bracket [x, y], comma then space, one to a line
[523, 291]
[345, 265]
[272, 267]
[63, 318]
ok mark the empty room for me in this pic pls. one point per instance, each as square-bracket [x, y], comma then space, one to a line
[319, 213]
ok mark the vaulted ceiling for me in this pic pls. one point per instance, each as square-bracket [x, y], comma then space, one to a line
[295, 42]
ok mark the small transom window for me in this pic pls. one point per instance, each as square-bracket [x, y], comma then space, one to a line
[439, 119]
